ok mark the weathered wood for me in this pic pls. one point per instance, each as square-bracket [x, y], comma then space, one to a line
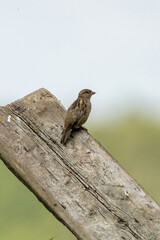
[81, 184]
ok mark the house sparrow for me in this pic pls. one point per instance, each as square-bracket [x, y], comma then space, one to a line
[77, 114]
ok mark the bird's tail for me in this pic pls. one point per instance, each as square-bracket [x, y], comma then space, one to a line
[65, 135]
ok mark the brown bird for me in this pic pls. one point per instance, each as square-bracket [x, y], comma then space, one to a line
[77, 114]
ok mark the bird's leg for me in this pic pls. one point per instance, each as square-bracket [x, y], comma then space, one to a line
[83, 128]
[74, 130]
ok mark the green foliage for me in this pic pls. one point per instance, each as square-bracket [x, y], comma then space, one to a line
[134, 141]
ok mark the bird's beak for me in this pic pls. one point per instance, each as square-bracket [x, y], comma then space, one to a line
[93, 93]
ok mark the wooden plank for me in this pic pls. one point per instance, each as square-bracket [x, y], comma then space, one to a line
[81, 184]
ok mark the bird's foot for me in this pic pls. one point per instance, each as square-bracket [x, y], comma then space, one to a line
[83, 128]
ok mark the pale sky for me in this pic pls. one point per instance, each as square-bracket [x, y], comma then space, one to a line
[109, 46]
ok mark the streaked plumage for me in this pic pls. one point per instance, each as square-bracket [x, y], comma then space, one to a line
[77, 114]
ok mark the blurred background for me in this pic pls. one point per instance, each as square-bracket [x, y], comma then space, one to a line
[111, 47]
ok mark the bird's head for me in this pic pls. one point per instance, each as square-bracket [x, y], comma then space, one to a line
[86, 93]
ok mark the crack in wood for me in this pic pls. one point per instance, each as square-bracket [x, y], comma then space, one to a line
[101, 214]
[51, 174]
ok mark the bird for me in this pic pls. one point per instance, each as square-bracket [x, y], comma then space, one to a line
[77, 114]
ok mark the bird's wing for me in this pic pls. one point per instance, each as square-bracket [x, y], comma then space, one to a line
[74, 113]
